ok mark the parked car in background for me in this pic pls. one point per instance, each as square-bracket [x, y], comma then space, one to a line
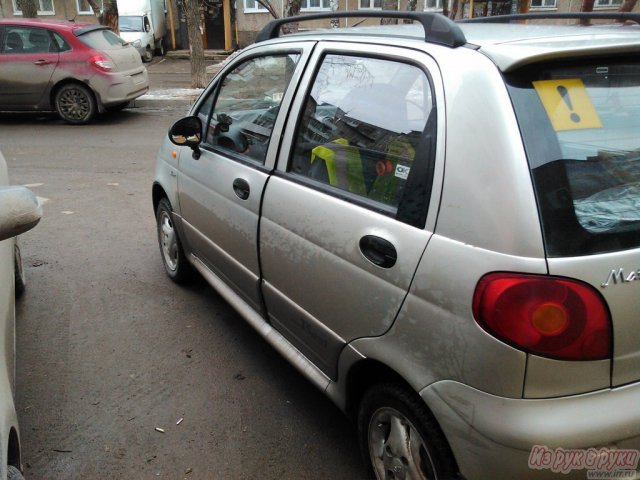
[19, 212]
[75, 69]
[439, 225]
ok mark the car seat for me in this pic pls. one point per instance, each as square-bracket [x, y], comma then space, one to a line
[13, 43]
[40, 41]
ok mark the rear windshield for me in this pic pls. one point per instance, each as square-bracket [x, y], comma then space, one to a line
[101, 39]
[581, 127]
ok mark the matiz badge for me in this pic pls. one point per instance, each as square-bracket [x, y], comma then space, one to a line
[619, 276]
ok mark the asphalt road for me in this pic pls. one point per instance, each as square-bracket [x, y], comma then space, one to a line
[110, 350]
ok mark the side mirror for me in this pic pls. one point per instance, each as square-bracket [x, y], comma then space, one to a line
[20, 211]
[186, 132]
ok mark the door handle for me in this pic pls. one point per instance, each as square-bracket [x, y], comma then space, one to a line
[241, 188]
[378, 251]
[41, 62]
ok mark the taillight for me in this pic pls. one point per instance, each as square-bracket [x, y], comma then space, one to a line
[548, 316]
[102, 62]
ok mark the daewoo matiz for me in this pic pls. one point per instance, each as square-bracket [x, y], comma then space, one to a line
[439, 225]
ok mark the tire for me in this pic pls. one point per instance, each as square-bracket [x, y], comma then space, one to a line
[173, 258]
[400, 438]
[148, 55]
[13, 473]
[75, 104]
[20, 282]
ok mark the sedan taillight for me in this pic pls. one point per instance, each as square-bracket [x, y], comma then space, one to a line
[102, 62]
[549, 316]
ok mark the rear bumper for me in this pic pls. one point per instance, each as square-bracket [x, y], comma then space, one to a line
[112, 89]
[493, 437]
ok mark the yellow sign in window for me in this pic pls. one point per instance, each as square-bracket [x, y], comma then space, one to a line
[567, 104]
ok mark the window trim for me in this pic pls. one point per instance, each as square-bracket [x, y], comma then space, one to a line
[370, 7]
[543, 7]
[316, 9]
[84, 12]
[437, 8]
[257, 9]
[41, 10]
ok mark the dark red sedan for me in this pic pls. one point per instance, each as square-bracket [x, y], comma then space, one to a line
[75, 69]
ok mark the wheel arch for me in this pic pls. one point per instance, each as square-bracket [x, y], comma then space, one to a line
[157, 194]
[72, 81]
[13, 450]
[367, 373]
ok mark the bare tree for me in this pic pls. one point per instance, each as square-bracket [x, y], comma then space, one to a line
[628, 5]
[108, 16]
[195, 29]
[267, 4]
[587, 6]
[389, 5]
[29, 8]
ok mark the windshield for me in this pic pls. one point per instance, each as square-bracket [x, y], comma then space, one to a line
[130, 24]
[580, 125]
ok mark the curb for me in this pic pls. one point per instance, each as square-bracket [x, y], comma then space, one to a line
[149, 101]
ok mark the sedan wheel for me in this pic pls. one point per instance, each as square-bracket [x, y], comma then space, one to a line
[399, 437]
[75, 104]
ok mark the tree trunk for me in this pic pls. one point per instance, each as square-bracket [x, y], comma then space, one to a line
[97, 9]
[291, 9]
[454, 9]
[195, 29]
[29, 8]
[523, 6]
[627, 5]
[389, 5]
[587, 6]
[267, 4]
[110, 15]
[411, 7]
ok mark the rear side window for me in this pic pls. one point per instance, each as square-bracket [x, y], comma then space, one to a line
[367, 132]
[580, 125]
[101, 39]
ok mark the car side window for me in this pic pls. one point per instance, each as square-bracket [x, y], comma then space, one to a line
[27, 40]
[367, 126]
[246, 105]
[61, 43]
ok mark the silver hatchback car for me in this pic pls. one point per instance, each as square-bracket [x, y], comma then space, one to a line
[439, 225]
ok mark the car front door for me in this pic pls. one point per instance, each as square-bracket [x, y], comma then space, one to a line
[28, 58]
[346, 220]
[220, 192]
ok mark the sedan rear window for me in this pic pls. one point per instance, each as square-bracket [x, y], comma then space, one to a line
[580, 126]
[101, 39]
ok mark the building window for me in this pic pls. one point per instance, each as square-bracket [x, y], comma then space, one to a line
[84, 8]
[307, 5]
[607, 3]
[543, 4]
[254, 6]
[433, 5]
[45, 7]
[370, 4]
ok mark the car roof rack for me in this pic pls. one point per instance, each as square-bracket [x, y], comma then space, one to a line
[621, 16]
[437, 28]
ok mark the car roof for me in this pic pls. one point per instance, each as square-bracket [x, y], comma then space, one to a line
[66, 25]
[508, 45]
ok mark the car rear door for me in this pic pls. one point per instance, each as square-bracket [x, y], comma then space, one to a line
[220, 191]
[346, 218]
[28, 58]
